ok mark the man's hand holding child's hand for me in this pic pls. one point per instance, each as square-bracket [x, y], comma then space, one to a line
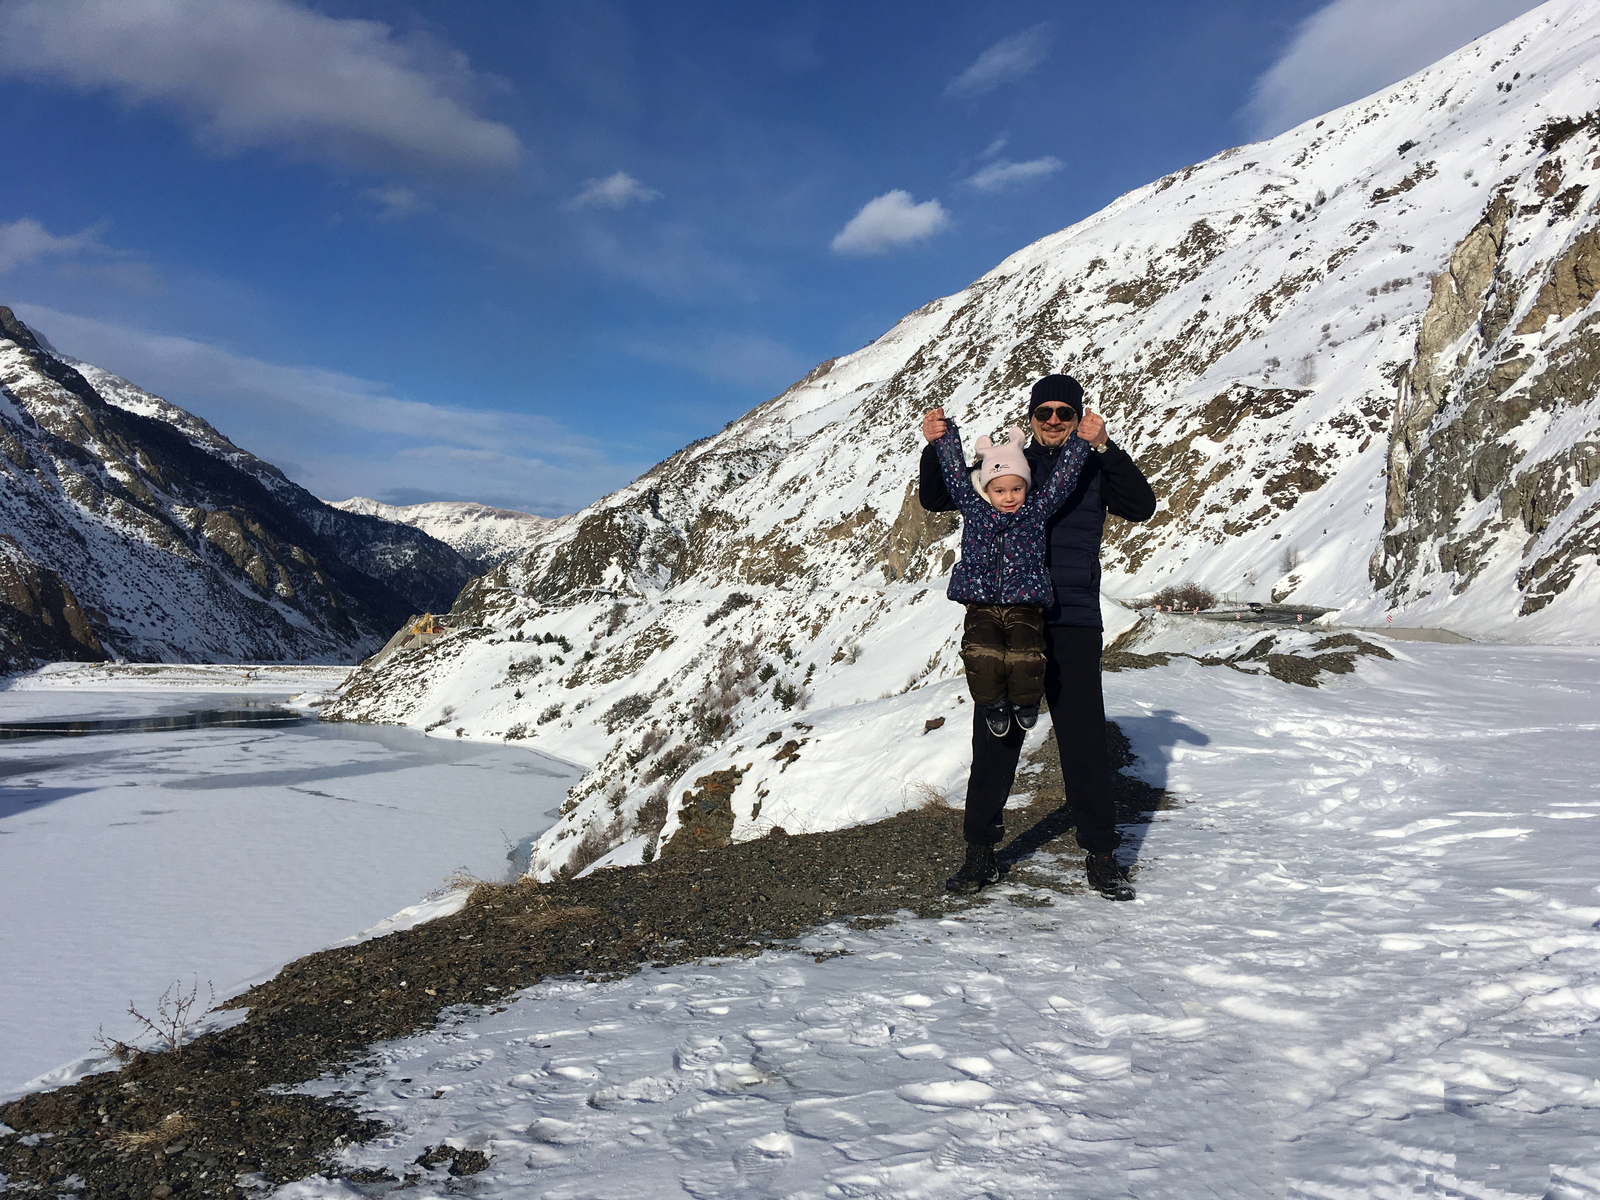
[934, 424]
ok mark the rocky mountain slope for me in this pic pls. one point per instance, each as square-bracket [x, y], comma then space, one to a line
[134, 529]
[1356, 361]
[484, 536]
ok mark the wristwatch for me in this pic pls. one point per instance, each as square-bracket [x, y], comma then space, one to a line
[1101, 448]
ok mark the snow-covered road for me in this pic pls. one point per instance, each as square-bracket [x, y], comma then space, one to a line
[129, 861]
[1365, 963]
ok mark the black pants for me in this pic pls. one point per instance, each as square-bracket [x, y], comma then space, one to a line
[1078, 713]
[1002, 647]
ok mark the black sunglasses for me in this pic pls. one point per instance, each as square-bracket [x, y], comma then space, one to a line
[1055, 412]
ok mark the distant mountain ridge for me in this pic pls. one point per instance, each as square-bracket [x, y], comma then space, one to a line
[484, 536]
[1358, 363]
[134, 529]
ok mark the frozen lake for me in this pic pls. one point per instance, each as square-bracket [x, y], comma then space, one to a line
[129, 860]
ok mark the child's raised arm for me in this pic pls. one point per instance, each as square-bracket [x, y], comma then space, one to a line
[1063, 477]
[957, 480]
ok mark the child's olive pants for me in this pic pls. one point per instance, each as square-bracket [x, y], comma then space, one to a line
[1002, 646]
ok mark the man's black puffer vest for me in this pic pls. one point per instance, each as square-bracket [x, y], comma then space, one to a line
[1072, 538]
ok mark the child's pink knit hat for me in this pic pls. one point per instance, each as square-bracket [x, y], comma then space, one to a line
[1006, 458]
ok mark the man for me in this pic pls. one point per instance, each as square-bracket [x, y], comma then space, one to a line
[1110, 482]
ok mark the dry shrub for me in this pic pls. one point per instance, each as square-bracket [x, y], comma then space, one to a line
[926, 797]
[176, 1014]
[1184, 597]
[654, 738]
[459, 880]
[653, 812]
[734, 600]
[625, 712]
[171, 1126]
[671, 764]
[591, 848]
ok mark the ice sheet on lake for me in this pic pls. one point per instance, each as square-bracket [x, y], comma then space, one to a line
[129, 861]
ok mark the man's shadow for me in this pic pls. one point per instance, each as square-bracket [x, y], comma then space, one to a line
[1145, 741]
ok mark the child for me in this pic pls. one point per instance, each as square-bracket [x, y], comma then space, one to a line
[1001, 577]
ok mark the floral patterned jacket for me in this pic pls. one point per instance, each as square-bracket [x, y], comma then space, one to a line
[1002, 554]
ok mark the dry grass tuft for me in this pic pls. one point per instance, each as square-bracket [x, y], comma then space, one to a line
[459, 880]
[172, 1126]
[925, 797]
[534, 920]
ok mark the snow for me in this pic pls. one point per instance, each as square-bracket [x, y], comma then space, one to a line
[1364, 963]
[478, 532]
[130, 861]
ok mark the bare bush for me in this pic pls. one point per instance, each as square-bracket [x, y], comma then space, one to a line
[654, 738]
[653, 812]
[1289, 559]
[116, 1048]
[517, 732]
[446, 715]
[591, 848]
[1184, 597]
[553, 713]
[615, 618]
[671, 764]
[733, 601]
[525, 668]
[175, 1013]
[625, 712]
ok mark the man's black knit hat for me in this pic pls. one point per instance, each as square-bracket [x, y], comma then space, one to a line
[1057, 389]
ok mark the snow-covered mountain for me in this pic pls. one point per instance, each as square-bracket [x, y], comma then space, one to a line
[482, 535]
[133, 528]
[1356, 361]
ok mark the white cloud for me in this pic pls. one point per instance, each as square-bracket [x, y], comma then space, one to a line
[1002, 175]
[344, 435]
[248, 73]
[27, 241]
[617, 190]
[890, 220]
[395, 203]
[1009, 58]
[136, 278]
[1352, 48]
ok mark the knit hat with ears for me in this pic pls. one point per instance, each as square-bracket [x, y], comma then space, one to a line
[1003, 459]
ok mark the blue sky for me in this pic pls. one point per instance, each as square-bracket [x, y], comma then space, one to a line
[519, 252]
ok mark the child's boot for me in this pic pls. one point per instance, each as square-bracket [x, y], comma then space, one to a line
[1027, 715]
[997, 716]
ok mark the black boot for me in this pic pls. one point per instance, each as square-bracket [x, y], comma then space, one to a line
[1106, 877]
[1027, 715]
[997, 716]
[978, 871]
